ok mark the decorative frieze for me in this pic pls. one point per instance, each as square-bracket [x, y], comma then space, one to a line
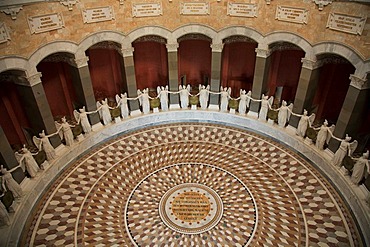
[242, 9]
[291, 14]
[4, 34]
[68, 3]
[238, 38]
[98, 14]
[12, 11]
[45, 23]
[147, 9]
[359, 83]
[322, 3]
[346, 23]
[195, 8]
[311, 64]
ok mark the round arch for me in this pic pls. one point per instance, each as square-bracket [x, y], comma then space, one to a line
[192, 28]
[239, 30]
[291, 38]
[352, 56]
[46, 50]
[97, 38]
[149, 30]
[13, 63]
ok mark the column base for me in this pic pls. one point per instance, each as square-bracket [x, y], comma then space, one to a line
[97, 126]
[175, 107]
[135, 113]
[213, 107]
[252, 114]
[155, 109]
[270, 121]
[193, 107]
[290, 129]
[232, 111]
[117, 120]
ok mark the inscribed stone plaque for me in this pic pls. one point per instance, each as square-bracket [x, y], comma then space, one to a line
[194, 8]
[4, 35]
[147, 9]
[290, 14]
[346, 23]
[44, 23]
[242, 9]
[98, 14]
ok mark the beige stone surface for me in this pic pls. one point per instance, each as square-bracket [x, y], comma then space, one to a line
[23, 43]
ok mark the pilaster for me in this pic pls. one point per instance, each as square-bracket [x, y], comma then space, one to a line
[173, 74]
[129, 68]
[306, 88]
[260, 78]
[214, 100]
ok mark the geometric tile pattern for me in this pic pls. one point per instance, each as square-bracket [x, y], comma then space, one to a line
[295, 205]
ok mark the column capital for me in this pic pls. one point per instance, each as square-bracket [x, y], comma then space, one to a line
[263, 52]
[172, 47]
[81, 62]
[34, 79]
[128, 51]
[217, 47]
[358, 82]
[310, 64]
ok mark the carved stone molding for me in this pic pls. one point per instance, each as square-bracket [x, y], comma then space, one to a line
[34, 79]
[16, 79]
[68, 3]
[172, 47]
[263, 52]
[217, 47]
[194, 36]
[12, 11]
[151, 38]
[359, 83]
[4, 34]
[81, 62]
[332, 59]
[311, 64]
[238, 38]
[283, 46]
[322, 3]
[60, 57]
[128, 52]
[107, 45]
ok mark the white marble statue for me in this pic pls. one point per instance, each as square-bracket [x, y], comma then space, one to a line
[104, 112]
[184, 96]
[203, 96]
[346, 148]
[81, 117]
[284, 113]
[4, 216]
[163, 97]
[244, 101]
[144, 100]
[122, 102]
[8, 183]
[266, 103]
[65, 131]
[304, 122]
[225, 96]
[360, 168]
[27, 162]
[43, 143]
[324, 135]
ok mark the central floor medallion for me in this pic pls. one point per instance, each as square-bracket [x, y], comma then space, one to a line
[191, 208]
[191, 202]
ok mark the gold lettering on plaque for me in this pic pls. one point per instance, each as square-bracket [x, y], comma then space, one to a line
[191, 206]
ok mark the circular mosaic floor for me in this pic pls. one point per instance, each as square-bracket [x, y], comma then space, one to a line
[191, 184]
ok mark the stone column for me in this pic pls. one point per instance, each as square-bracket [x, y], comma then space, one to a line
[215, 75]
[7, 157]
[173, 74]
[351, 115]
[129, 67]
[84, 90]
[306, 88]
[37, 107]
[260, 78]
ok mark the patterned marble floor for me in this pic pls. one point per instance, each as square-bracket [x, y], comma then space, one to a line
[270, 195]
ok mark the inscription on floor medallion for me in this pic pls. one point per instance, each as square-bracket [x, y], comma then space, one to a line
[190, 208]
